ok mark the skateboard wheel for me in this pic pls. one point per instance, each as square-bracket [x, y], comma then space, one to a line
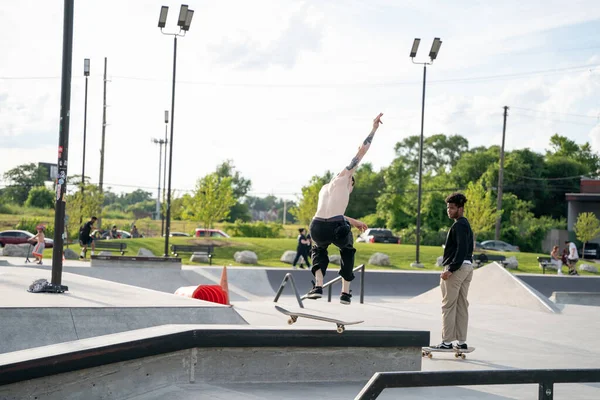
[291, 321]
[456, 355]
[463, 356]
[430, 355]
[340, 329]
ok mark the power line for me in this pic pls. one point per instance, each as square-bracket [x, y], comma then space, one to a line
[556, 112]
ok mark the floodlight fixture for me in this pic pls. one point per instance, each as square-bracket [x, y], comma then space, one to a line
[162, 19]
[166, 116]
[435, 48]
[183, 11]
[415, 47]
[86, 67]
[188, 20]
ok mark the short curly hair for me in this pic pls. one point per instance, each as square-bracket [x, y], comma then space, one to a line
[457, 198]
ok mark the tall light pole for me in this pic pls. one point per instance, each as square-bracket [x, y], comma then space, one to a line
[86, 73]
[160, 142]
[162, 225]
[435, 48]
[63, 151]
[183, 21]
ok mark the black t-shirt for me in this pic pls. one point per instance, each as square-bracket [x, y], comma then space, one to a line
[86, 230]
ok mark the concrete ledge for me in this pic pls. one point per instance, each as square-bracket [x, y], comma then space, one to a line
[148, 358]
[579, 298]
[135, 262]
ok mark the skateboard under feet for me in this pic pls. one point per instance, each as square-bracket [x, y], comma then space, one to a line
[458, 353]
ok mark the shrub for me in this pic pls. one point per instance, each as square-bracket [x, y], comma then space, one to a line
[30, 225]
[254, 229]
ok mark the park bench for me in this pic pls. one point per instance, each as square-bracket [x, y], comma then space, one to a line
[109, 245]
[544, 262]
[483, 258]
[208, 250]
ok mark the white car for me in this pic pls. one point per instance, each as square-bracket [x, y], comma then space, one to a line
[498, 245]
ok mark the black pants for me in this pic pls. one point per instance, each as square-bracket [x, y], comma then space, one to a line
[336, 231]
[302, 252]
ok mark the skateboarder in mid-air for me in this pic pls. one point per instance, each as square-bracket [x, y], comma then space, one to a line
[331, 226]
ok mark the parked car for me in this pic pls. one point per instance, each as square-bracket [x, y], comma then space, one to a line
[592, 251]
[498, 245]
[20, 237]
[178, 234]
[103, 235]
[377, 235]
[201, 232]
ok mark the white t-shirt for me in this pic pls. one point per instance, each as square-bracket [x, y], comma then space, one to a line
[572, 252]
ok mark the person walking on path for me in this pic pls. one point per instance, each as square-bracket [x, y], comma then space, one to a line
[331, 226]
[302, 249]
[38, 250]
[457, 276]
[85, 237]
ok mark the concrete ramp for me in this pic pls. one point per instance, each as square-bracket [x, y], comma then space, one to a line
[494, 285]
[91, 307]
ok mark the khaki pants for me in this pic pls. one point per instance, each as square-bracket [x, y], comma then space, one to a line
[455, 306]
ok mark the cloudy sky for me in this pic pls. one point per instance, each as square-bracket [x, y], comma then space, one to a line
[287, 89]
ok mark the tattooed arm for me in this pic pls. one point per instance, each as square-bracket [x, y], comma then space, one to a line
[362, 150]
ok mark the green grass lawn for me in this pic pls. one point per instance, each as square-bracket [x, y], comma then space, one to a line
[269, 252]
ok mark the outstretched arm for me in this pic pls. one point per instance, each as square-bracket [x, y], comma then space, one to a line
[361, 226]
[362, 150]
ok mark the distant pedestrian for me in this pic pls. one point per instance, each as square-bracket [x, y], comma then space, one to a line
[302, 249]
[85, 237]
[572, 258]
[555, 259]
[38, 250]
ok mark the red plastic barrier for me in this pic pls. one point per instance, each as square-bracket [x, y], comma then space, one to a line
[212, 293]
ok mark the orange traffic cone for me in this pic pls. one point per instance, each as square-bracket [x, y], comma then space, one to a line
[224, 285]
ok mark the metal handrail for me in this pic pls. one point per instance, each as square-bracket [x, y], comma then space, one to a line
[328, 285]
[289, 277]
[545, 378]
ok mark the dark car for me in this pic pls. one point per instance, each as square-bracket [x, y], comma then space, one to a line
[592, 251]
[20, 237]
[378, 235]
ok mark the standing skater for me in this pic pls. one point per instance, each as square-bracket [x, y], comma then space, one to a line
[302, 249]
[331, 226]
[457, 275]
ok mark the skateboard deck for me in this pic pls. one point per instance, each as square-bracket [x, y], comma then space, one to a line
[427, 352]
[295, 314]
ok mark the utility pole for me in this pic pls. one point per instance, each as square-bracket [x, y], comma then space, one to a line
[102, 146]
[501, 177]
[284, 209]
[86, 73]
[162, 225]
[63, 152]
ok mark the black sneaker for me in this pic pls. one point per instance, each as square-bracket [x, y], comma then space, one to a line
[345, 298]
[442, 346]
[315, 293]
[302, 266]
[461, 346]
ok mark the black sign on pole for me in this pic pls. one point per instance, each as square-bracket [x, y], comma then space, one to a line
[63, 151]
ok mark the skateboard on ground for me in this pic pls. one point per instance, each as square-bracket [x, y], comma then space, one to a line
[427, 352]
[295, 314]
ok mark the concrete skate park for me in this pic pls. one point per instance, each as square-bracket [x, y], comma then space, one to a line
[120, 332]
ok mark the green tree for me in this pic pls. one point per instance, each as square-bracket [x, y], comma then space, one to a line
[561, 146]
[480, 209]
[211, 201]
[21, 180]
[440, 152]
[307, 206]
[363, 199]
[240, 186]
[587, 227]
[397, 202]
[83, 207]
[40, 197]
